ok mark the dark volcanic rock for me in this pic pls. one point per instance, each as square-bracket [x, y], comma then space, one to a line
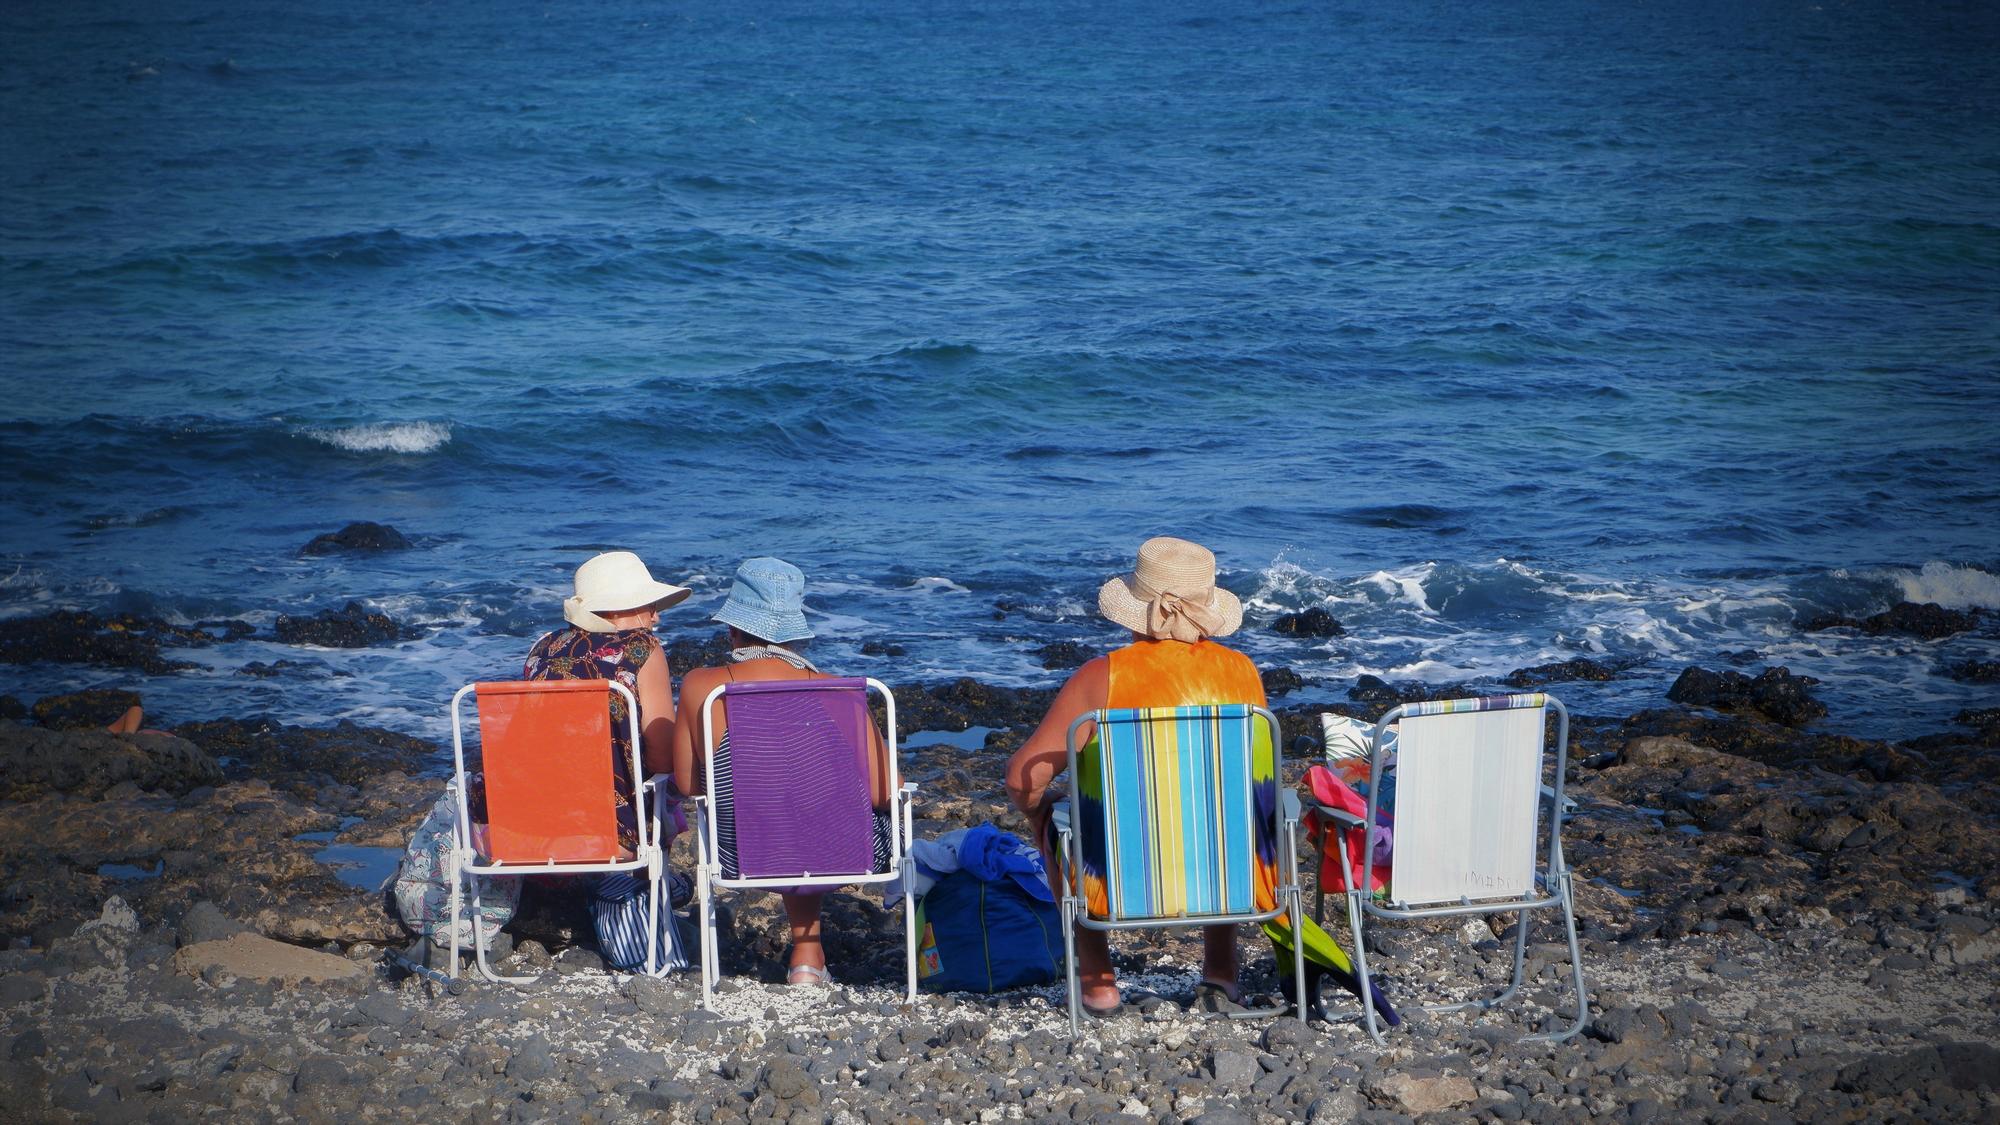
[1314, 622]
[358, 536]
[685, 654]
[1377, 695]
[1568, 670]
[1281, 681]
[1775, 693]
[1928, 621]
[966, 703]
[120, 641]
[1063, 654]
[353, 626]
[85, 763]
[1975, 671]
[881, 648]
[84, 710]
[350, 754]
[11, 709]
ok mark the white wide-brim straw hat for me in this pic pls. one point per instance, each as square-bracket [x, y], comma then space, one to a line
[1171, 594]
[616, 582]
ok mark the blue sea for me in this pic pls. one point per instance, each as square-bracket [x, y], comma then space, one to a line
[1507, 332]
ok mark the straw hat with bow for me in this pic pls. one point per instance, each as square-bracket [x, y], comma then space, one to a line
[1171, 594]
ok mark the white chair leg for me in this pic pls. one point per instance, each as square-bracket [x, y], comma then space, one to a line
[1354, 913]
[1576, 968]
[1070, 978]
[452, 969]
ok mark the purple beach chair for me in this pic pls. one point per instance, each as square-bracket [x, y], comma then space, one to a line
[795, 815]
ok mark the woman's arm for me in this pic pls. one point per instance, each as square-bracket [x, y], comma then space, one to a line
[655, 692]
[688, 730]
[1046, 752]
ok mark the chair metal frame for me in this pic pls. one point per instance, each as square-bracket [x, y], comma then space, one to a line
[1552, 874]
[466, 867]
[708, 864]
[1075, 911]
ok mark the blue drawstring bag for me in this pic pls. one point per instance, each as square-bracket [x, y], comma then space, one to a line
[980, 936]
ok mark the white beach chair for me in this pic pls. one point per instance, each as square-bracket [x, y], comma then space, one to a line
[1468, 802]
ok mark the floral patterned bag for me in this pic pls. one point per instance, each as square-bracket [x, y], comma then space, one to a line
[423, 886]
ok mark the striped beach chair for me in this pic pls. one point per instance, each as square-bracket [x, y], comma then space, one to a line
[1178, 821]
[1470, 838]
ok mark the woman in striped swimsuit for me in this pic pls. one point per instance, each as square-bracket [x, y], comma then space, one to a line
[767, 625]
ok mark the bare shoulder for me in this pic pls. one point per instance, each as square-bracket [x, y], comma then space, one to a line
[699, 682]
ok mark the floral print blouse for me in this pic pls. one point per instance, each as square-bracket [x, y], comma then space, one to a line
[575, 654]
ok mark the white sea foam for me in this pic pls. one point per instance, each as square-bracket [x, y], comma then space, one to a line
[938, 586]
[1954, 587]
[1408, 587]
[386, 437]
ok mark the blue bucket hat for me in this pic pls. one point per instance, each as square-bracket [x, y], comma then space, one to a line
[766, 601]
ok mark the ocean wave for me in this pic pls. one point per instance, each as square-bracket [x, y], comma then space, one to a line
[1954, 587]
[386, 437]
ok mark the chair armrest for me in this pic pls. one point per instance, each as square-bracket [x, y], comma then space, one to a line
[657, 783]
[1288, 805]
[1569, 802]
[1339, 816]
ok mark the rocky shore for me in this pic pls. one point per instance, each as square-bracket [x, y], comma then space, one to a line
[1778, 924]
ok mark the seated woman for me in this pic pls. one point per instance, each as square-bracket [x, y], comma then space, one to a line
[1173, 608]
[610, 637]
[767, 625]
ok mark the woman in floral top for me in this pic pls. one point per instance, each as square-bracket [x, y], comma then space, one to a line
[630, 655]
[610, 637]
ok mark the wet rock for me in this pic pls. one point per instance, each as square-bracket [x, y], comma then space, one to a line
[12, 709]
[964, 703]
[1314, 622]
[77, 637]
[87, 763]
[1063, 654]
[358, 536]
[1775, 693]
[259, 958]
[882, 648]
[84, 710]
[348, 753]
[1281, 681]
[257, 669]
[1975, 671]
[352, 626]
[685, 654]
[1375, 691]
[1416, 1094]
[1563, 672]
[1928, 621]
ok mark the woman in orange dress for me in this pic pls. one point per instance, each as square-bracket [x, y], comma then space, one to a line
[1174, 610]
